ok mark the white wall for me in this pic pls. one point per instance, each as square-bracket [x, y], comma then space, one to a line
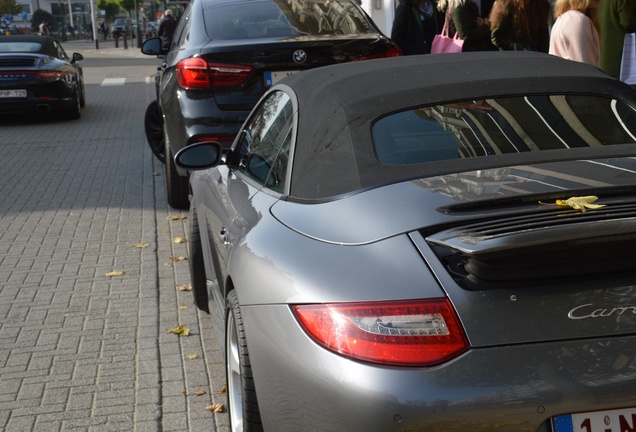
[381, 12]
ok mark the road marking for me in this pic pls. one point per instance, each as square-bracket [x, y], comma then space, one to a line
[113, 82]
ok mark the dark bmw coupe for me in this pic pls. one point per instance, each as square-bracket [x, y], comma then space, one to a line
[226, 53]
[36, 75]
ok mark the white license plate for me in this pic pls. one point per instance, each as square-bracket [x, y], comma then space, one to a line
[623, 420]
[272, 78]
[13, 93]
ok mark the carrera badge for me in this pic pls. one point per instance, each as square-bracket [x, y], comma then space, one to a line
[299, 56]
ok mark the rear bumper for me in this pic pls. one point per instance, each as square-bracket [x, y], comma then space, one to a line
[35, 105]
[302, 386]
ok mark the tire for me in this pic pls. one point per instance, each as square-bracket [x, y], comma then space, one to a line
[82, 95]
[177, 187]
[241, 392]
[75, 112]
[153, 125]
[197, 266]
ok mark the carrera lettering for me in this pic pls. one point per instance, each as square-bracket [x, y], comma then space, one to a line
[584, 312]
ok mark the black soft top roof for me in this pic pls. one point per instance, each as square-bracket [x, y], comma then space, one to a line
[338, 104]
[47, 43]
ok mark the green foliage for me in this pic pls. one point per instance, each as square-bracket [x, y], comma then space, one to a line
[41, 15]
[128, 5]
[9, 6]
[111, 7]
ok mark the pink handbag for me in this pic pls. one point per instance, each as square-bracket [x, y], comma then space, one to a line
[444, 44]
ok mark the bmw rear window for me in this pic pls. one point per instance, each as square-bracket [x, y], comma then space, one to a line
[479, 128]
[281, 19]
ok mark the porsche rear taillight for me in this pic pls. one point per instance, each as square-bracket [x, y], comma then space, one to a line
[402, 333]
[196, 72]
[51, 74]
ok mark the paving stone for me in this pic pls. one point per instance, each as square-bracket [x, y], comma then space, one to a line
[81, 351]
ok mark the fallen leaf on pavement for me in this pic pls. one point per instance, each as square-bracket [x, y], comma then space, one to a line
[115, 273]
[192, 356]
[184, 287]
[216, 408]
[178, 258]
[199, 393]
[179, 330]
[176, 218]
[179, 240]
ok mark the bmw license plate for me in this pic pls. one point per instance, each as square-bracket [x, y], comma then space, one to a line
[13, 93]
[272, 78]
[622, 420]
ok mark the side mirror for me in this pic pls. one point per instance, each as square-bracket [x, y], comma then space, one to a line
[152, 46]
[77, 57]
[199, 156]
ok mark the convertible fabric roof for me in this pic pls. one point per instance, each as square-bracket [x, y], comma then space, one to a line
[46, 42]
[337, 105]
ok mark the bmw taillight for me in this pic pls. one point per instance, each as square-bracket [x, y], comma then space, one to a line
[390, 52]
[196, 72]
[225, 140]
[401, 333]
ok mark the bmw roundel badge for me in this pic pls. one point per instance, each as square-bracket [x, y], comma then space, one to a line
[300, 56]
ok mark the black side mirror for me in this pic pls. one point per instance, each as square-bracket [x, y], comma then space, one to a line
[77, 57]
[152, 46]
[199, 156]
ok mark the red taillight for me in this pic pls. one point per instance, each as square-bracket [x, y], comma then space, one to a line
[197, 73]
[51, 74]
[401, 333]
[225, 140]
[390, 52]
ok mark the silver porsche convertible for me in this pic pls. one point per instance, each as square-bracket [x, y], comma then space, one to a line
[428, 243]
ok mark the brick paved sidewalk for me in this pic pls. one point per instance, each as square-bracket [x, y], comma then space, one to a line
[79, 350]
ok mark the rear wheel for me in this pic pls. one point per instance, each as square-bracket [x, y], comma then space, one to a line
[177, 187]
[197, 267]
[241, 392]
[153, 125]
[75, 112]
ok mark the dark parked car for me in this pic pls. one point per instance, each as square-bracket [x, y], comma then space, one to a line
[425, 243]
[121, 28]
[36, 75]
[226, 53]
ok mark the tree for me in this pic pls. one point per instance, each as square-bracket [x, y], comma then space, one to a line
[111, 7]
[9, 7]
[41, 15]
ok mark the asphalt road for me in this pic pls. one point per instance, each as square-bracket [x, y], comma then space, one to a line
[80, 199]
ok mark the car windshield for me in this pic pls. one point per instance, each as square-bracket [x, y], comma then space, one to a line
[278, 18]
[479, 128]
[6, 47]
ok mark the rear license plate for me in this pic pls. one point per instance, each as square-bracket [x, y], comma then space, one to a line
[272, 78]
[13, 93]
[623, 420]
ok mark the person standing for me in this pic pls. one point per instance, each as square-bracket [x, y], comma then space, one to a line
[616, 18]
[518, 25]
[415, 25]
[104, 29]
[166, 29]
[574, 35]
[465, 20]
[44, 28]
